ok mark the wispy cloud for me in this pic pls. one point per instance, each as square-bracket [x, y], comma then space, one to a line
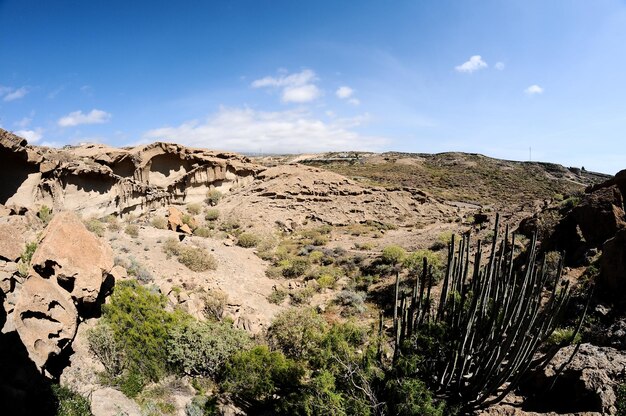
[25, 122]
[32, 136]
[78, 117]
[298, 88]
[473, 64]
[347, 93]
[248, 130]
[534, 90]
[16, 94]
[499, 66]
[344, 92]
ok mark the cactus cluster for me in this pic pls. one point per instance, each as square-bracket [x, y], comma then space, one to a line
[490, 320]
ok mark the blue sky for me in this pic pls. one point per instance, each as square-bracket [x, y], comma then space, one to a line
[493, 77]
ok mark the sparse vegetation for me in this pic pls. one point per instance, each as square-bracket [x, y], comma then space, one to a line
[212, 214]
[132, 230]
[197, 259]
[95, 226]
[277, 296]
[24, 262]
[248, 240]
[213, 197]
[194, 209]
[159, 222]
[45, 214]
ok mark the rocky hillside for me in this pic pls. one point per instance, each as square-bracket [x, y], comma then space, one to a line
[229, 253]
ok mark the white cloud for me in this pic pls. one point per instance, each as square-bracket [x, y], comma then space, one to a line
[354, 101]
[77, 117]
[32, 136]
[298, 88]
[306, 76]
[16, 94]
[247, 130]
[302, 94]
[534, 90]
[499, 66]
[344, 92]
[473, 64]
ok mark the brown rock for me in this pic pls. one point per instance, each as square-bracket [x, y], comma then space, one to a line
[119, 273]
[586, 384]
[45, 318]
[76, 258]
[12, 237]
[612, 278]
[175, 221]
[600, 215]
[7, 270]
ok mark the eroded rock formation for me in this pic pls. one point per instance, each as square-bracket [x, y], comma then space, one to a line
[74, 257]
[97, 180]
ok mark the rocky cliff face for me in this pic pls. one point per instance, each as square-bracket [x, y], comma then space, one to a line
[97, 180]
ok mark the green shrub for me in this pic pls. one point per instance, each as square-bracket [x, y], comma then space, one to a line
[259, 375]
[364, 246]
[194, 209]
[295, 267]
[132, 230]
[70, 403]
[202, 232]
[171, 247]
[410, 396]
[23, 264]
[104, 347]
[570, 202]
[302, 296]
[214, 304]
[296, 332]
[202, 348]
[248, 240]
[45, 214]
[230, 225]
[159, 222]
[212, 214]
[415, 262]
[563, 336]
[201, 406]
[326, 281]
[353, 302]
[277, 296]
[393, 254]
[140, 326]
[139, 271]
[213, 197]
[197, 259]
[95, 226]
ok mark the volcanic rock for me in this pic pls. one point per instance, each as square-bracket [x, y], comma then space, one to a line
[45, 318]
[76, 258]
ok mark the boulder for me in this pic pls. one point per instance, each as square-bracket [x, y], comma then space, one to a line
[612, 279]
[7, 270]
[111, 402]
[600, 214]
[45, 318]
[13, 234]
[175, 221]
[75, 257]
[586, 384]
